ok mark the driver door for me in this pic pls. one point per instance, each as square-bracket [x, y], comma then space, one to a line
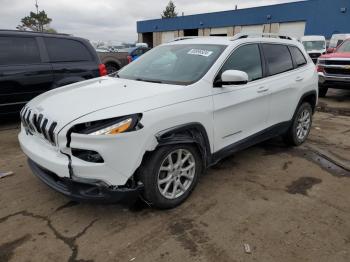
[241, 111]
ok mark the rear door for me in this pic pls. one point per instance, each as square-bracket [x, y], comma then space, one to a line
[23, 74]
[283, 81]
[71, 60]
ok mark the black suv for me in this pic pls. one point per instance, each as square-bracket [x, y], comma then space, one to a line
[32, 63]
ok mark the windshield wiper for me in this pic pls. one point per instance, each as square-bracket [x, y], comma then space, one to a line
[150, 81]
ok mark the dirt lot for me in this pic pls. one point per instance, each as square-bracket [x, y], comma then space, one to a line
[287, 204]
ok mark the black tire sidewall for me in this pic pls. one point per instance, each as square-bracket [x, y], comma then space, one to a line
[109, 67]
[149, 176]
[322, 91]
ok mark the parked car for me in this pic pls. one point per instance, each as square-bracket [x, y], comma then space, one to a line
[135, 52]
[336, 40]
[33, 63]
[334, 69]
[315, 46]
[161, 121]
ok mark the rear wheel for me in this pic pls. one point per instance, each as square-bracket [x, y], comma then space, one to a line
[170, 175]
[111, 68]
[301, 126]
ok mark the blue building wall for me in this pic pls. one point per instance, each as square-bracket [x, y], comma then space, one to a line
[323, 17]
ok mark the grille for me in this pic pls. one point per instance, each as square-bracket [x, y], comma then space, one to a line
[314, 55]
[39, 125]
[337, 71]
[337, 62]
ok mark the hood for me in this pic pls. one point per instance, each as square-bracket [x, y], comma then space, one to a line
[71, 102]
[336, 55]
[316, 51]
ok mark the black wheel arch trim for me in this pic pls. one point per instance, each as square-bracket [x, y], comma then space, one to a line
[302, 99]
[187, 133]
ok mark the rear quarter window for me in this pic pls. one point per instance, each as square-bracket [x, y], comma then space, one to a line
[278, 58]
[67, 50]
[298, 56]
[18, 50]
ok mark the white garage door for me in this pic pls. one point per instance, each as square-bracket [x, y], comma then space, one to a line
[168, 36]
[218, 31]
[252, 29]
[294, 29]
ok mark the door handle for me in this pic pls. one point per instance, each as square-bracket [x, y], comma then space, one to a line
[299, 79]
[263, 89]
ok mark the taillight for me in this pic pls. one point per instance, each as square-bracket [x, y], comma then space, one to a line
[319, 68]
[129, 59]
[102, 69]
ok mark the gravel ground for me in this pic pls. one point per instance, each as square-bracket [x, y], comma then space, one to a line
[286, 204]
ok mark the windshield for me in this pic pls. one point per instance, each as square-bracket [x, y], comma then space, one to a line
[181, 64]
[314, 45]
[344, 48]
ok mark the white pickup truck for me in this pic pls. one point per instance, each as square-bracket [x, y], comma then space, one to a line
[315, 46]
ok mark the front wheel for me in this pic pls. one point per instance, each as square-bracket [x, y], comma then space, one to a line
[170, 175]
[301, 126]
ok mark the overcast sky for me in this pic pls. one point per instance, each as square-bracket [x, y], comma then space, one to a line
[110, 19]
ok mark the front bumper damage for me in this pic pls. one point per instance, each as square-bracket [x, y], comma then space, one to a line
[90, 191]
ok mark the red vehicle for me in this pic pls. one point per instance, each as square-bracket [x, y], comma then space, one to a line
[334, 69]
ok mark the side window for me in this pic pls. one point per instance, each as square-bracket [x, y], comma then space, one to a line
[18, 50]
[66, 50]
[278, 58]
[298, 56]
[247, 59]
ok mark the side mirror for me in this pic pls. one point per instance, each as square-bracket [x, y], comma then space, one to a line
[330, 50]
[232, 77]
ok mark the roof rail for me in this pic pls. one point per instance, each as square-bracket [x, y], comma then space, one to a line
[184, 38]
[269, 35]
[32, 32]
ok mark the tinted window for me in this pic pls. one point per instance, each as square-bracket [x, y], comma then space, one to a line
[18, 50]
[298, 56]
[345, 47]
[278, 58]
[66, 50]
[339, 42]
[247, 59]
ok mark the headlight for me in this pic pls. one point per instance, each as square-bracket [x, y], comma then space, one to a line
[111, 126]
[114, 129]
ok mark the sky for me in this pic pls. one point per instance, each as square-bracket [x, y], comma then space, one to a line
[110, 20]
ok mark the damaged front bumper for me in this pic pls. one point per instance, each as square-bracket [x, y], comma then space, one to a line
[94, 191]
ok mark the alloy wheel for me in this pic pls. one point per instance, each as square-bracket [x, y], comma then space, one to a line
[176, 173]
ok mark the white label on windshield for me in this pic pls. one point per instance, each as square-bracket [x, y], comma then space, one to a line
[200, 52]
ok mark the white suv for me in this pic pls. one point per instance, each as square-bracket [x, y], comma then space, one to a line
[152, 129]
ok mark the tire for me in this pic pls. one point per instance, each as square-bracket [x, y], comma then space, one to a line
[111, 68]
[322, 91]
[300, 128]
[155, 192]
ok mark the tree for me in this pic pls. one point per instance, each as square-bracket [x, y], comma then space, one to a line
[169, 11]
[38, 22]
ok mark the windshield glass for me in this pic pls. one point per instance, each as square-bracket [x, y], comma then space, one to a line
[181, 64]
[344, 48]
[314, 45]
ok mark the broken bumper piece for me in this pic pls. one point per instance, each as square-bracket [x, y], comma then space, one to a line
[85, 192]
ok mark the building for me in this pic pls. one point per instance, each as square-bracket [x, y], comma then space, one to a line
[310, 17]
